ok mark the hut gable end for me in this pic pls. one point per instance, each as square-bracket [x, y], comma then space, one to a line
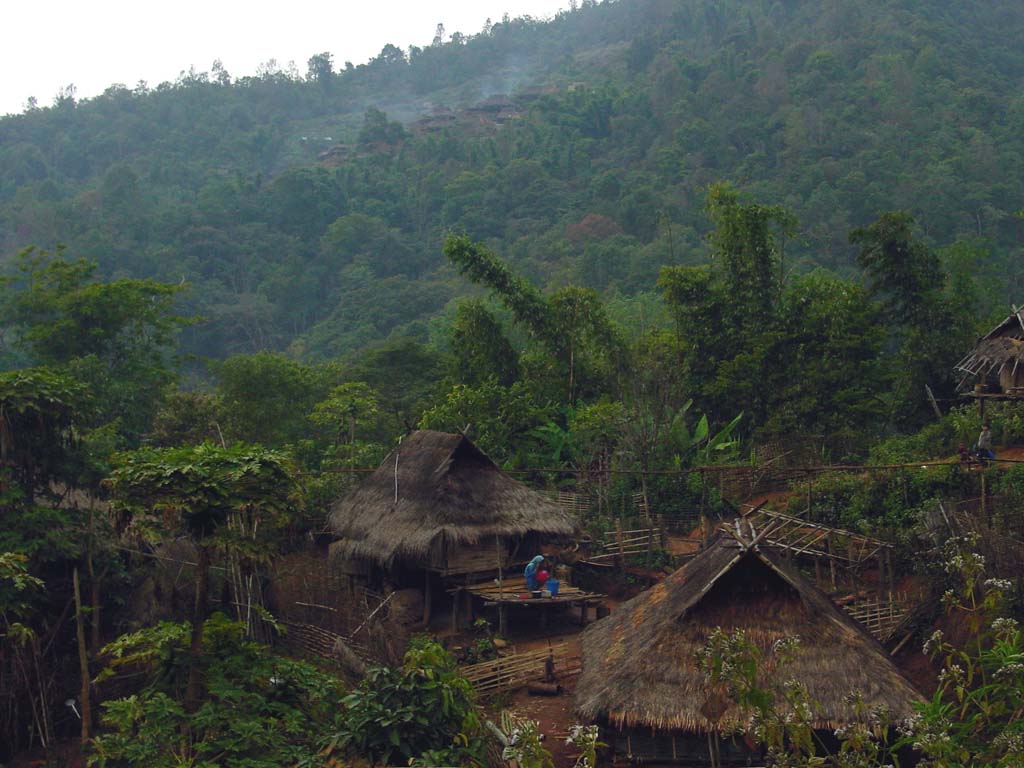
[640, 664]
[998, 357]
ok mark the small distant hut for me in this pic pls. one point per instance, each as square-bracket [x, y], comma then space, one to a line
[995, 367]
[439, 510]
[642, 683]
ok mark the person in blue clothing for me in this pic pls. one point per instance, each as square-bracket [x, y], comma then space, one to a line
[531, 572]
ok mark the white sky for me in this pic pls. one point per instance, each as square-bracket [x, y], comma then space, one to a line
[47, 44]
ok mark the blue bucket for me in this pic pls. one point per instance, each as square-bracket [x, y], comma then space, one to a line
[552, 586]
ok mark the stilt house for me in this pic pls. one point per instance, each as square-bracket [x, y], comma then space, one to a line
[641, 680]
[995, 367]
[436, 511]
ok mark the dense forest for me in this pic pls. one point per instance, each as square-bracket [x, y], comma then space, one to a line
[306, 210]
[638, 239]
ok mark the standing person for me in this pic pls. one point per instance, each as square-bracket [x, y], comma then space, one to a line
[531, 572]
[985, 443]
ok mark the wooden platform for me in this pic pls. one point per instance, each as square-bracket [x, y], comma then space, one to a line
[511, 590]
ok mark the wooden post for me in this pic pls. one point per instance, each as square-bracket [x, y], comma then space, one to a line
[650, 544]
[831, 562]
[501, 572]
[426, 599]
[83, 663]
[931, 399]
[618, 537]
[502, 619]
[664, 531]
[809, 497]
[984, 504]
[456, 597]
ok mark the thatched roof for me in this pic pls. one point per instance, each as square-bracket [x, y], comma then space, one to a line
[436, 488]
[640, 664]
[1001, 347]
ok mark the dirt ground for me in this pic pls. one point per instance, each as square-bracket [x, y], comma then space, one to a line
[553, 713]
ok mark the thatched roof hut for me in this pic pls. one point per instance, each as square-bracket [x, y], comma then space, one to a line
[998, 357]
[640, 664]
[434, 494]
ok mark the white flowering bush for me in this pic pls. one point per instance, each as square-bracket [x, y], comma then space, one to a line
[586, 739]
[974, 720]
[524, 745]
[976, 717]
[777, 711]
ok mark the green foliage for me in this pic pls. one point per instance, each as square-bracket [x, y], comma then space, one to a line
[570, 325]
[499, 419]
[837, 112]
[186, 418]
[525, 746]
[778, 711]
[744, 244]
[424, 706]
[115, 336]
[406, 377]
[64, 313]
[201, 486]
[265, 398]
[974, 717]
[16, 586]
[347, 405]
[259, 709]
[803, 356]
[885, 502]
[901, 268]
[480, 350]
[39, 410]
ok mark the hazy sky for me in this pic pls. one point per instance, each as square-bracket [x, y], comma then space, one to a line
[47, 44]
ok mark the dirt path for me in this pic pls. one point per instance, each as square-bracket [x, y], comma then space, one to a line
[554, 713]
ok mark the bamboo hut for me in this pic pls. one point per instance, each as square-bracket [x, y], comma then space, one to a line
[642, 682]
[995, 366]
[438, 509]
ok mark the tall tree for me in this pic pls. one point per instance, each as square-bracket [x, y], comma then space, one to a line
[197, 490]
[118, 337]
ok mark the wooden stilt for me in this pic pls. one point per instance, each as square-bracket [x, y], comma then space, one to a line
[984, 500]
[456, 597]
[618, 538]
[426, 600]
[831, 562]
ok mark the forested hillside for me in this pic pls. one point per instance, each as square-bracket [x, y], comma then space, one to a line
[306, 211]
[656, 258]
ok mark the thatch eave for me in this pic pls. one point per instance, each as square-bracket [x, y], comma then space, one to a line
[438, 490]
